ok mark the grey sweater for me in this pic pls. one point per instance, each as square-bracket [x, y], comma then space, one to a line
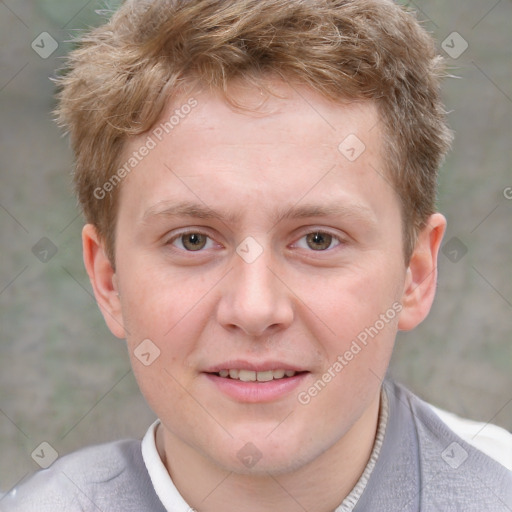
[422, 466]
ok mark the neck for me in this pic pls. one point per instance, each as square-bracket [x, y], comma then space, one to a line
[319, 485]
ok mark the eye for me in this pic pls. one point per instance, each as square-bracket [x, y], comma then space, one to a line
[191, 241]
[318, 241]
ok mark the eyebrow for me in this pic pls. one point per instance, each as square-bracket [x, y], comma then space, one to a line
[168, 209]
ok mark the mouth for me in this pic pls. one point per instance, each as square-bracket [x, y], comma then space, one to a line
[254, 376]
[255, 383]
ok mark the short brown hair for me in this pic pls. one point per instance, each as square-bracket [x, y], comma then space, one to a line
[122, 74]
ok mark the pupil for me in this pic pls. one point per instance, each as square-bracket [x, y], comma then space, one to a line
[194, 241]
[320, 240]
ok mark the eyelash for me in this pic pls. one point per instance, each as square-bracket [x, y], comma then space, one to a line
[336, 238]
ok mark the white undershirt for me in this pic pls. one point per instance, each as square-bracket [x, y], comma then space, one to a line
[494, 441]
[164, 486]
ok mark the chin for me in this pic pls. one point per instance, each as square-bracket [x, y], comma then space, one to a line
[262, 456]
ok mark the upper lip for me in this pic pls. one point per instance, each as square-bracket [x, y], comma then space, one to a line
[256, 366]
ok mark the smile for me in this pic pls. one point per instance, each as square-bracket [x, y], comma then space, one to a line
[251, 386]
[253, 376]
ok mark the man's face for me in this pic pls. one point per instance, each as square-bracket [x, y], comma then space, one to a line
[257, 244]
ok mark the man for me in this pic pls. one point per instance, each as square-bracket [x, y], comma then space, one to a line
[259, 180]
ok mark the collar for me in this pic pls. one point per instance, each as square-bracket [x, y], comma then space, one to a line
[160, 478]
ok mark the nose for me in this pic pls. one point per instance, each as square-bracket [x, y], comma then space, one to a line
[255, 299]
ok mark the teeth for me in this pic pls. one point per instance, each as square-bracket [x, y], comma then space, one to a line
[252, 376]
[246, 375]
[264, 376]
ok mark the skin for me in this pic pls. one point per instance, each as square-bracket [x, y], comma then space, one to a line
[300, 302]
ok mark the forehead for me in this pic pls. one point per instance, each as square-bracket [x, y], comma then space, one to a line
[299, 143]
[296, 115]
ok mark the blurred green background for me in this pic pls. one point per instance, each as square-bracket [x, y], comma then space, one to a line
[66, 380]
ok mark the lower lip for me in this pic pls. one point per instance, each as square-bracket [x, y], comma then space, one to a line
[255, 392]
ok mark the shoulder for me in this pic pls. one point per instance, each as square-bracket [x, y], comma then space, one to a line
[494, 441]
[87, 480]
[451, 468]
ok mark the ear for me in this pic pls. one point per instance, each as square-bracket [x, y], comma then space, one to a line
[103, 280]
[421, 278]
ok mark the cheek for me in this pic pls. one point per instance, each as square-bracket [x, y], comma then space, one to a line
[353, 299]
[360, 309]
[157, 301]
[165, 390]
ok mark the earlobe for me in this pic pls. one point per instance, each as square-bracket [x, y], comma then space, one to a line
[103, 280]
[421, 276]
